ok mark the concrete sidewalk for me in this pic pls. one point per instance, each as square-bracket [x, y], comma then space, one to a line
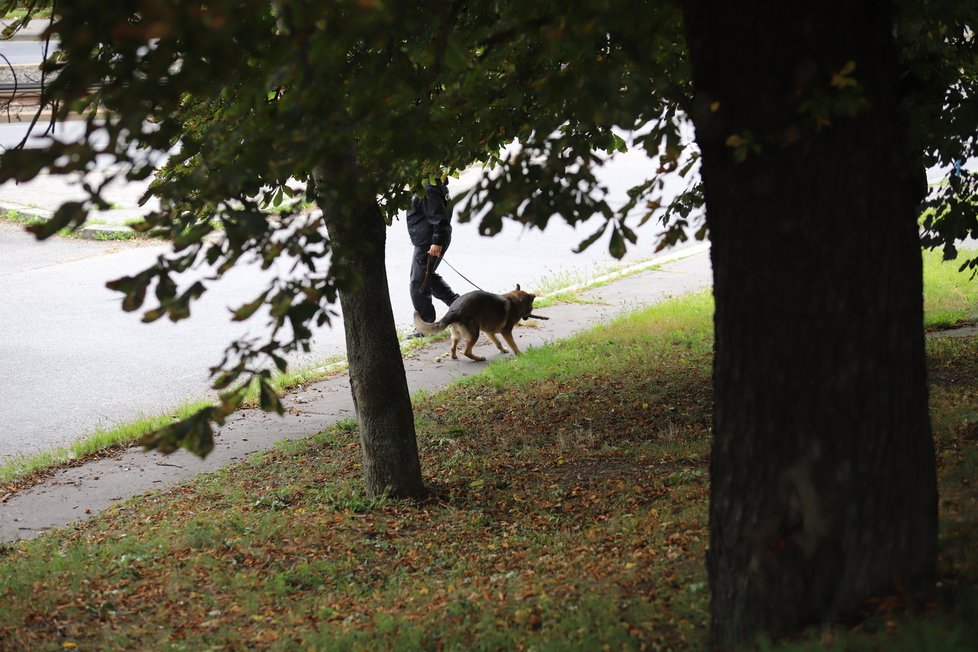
[73, 494]
[43, 195]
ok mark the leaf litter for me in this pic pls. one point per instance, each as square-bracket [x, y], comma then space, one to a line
[562, 514]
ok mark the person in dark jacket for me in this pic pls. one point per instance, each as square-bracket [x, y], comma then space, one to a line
[429, 224]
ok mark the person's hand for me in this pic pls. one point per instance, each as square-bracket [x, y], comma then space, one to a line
[435, 250]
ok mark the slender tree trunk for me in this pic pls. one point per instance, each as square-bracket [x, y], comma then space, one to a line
[823, 489]
[388, 441]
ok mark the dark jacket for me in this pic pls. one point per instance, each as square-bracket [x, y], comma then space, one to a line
[430, 219]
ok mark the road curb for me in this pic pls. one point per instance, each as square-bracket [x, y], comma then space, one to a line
[106, 231]
[88, 231]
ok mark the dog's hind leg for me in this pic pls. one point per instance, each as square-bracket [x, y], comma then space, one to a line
[455, 338]
[472, 336]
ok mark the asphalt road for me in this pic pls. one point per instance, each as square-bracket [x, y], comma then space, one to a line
[23, 52]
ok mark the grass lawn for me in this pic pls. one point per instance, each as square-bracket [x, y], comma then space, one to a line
[568, 511]
[950, 296]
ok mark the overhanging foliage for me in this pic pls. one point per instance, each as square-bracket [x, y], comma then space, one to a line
[248, 100]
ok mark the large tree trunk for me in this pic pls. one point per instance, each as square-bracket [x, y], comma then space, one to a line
[388, 441]
[823, 489]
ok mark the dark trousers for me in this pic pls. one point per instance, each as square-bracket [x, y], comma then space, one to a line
[437, 287]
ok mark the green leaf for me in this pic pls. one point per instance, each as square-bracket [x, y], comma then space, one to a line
[268, 400]
[617, 244]
[281, 303]
[134, 288]
[152, 315]
[248, 309]
[224, 380]
[591, 239]
[193, 433]
[456, 58]
[280, 363]
[70, 213]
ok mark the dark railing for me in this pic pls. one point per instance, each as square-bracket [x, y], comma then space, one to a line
[10, 89]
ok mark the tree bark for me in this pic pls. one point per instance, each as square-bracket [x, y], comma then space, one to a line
[358, 233]
[823, 489]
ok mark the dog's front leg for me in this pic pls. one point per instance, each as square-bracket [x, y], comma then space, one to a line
[508, 335]
[495, 340]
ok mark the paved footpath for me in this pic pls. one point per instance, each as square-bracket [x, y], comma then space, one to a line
[75, 493]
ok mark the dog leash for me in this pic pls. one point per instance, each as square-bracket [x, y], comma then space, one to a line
[427, 275]
[464, 277]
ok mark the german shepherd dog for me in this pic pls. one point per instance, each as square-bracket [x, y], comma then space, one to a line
[492, 313]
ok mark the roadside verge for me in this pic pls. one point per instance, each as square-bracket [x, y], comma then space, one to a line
[75, 493]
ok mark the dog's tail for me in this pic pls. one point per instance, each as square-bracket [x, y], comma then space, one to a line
[436, 327]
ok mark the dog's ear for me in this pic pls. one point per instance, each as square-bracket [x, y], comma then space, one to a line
[517, 287]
